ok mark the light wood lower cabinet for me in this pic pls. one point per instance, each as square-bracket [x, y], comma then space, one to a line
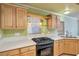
[25, 51]
[66, 46]
[10, 52]
[3, 53]
[58, 47]
[61, 46]
[70, 46]
[13, 52]
[77, 46]
[28, 51]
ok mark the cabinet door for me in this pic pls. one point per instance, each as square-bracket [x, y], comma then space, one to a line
[77, 47]
[21, 18]
[56, 48]
[61, 46]
[3, 54]
[13, 52]
[7, 16]
[10, 53]
[49, 24]
[54, 20]
[29, 53]
[70, 46]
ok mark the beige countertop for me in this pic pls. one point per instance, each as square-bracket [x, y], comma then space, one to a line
[18, 42]
[15, 42]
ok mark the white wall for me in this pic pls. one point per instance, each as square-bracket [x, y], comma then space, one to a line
[71, 25]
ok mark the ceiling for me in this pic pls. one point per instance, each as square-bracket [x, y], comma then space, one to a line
[56, 7]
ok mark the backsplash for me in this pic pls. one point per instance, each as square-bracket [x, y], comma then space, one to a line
[9, 33]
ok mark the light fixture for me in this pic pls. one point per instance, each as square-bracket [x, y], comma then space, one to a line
[67, 12]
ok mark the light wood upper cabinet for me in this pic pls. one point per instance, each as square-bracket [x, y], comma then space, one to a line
[51, 21]
[21, 17]
[49, 24]
[54, 20]
[13, 17]
[7, 17]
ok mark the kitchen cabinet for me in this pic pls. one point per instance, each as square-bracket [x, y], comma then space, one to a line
[13, 52]
[77, 46]
[49, 24]
[61, 46]
[25, 51]
[70, 46]
[10, 52]
[21, 18]
[28, 51]
[66, 46]
[54, 20]
[3, 54]
[51, 21]
[58, 47]
[7, 17]
[13, 17]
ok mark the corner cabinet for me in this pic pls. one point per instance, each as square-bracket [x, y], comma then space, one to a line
[13, 17]
[66, 46]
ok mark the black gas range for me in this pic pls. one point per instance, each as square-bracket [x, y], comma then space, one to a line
[44, 46]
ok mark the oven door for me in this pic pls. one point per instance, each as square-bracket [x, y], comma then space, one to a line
[45, 51]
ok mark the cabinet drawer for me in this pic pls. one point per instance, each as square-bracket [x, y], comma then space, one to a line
[3, 54]
[30, 53]
[26, 49]
[13, 52]
[10, 52]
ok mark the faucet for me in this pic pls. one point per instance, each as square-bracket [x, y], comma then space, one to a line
[67, 34]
